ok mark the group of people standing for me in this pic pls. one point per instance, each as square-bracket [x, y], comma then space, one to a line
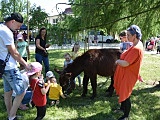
[126, 74]
[13, 79]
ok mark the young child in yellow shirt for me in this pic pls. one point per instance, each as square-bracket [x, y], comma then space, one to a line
[55, 90]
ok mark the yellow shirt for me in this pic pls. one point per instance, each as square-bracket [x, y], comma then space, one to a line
[55, 91]
[74, 55]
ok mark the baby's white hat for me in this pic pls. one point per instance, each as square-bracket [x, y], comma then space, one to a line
[50, 74]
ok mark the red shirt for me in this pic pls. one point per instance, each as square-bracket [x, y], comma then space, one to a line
[38, 98]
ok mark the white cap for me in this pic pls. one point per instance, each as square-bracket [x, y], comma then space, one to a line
[50, 74]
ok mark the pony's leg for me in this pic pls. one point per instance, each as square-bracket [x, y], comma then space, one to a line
[110, 90]
[94, 86]
[85, 84]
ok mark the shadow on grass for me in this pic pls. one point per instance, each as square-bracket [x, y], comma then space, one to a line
[144, 100]
[148, 101]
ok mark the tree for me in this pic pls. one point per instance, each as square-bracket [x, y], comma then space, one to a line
[38, 17]
[10, 6]
[113, 15]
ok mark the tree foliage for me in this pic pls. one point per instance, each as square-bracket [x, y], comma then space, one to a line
[38, 17]
[10, 6]
[116, 15]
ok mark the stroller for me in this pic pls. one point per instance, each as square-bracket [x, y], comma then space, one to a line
[151, 45]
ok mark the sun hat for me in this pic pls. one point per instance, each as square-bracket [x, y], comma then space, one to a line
[14, 16]
[134, 29]
[19, 36]
[34, 68]
[50, 74]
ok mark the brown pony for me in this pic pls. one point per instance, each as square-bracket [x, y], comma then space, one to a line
[92, 62]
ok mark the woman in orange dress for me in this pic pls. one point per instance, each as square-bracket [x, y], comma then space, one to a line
[128, 68]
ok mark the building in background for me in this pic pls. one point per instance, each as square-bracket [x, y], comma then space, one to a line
[57, 18]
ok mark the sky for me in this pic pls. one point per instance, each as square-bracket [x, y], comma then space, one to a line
[50, 5]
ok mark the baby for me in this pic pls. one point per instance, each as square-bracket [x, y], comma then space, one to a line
[55, 90]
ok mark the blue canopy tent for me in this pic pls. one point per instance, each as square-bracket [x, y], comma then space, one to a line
[24, 27]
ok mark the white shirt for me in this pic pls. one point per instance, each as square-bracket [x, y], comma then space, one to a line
[67, 62]
[6, 38]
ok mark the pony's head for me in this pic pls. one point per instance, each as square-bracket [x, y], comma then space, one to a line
[66, 81]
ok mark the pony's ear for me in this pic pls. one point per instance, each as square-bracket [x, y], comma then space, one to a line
[57, 71]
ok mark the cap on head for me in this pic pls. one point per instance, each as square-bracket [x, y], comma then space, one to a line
[34, 68]
[50, 74]
[134, 29]
[19, 36]
[14, 16]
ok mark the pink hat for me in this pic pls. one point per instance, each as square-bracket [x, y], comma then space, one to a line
[19, 36]
[34, 68]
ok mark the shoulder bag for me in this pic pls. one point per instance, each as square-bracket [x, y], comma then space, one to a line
[3, 64]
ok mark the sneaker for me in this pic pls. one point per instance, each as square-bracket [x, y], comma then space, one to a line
[57, 102]
[52, 103]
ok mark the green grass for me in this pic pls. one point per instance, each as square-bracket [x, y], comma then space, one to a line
[145, 98]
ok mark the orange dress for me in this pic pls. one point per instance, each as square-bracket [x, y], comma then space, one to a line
[126, 77]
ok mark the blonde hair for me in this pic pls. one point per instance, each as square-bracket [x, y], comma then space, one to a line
[67, 54]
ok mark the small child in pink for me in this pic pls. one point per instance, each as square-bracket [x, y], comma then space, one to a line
[38, 88]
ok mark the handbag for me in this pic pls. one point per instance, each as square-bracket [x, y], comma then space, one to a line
[3, 64]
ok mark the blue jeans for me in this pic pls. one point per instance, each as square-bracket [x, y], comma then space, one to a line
[12, 80]
[79, 80]
[27, 97]
[40, 58]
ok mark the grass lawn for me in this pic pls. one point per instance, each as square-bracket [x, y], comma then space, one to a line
[145, 97]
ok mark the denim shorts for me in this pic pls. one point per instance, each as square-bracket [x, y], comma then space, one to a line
[12, 80]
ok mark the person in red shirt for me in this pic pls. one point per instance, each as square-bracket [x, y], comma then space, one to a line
[38, 89]
[127, 71]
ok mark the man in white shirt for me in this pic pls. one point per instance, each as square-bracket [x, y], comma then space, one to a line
[12, 79]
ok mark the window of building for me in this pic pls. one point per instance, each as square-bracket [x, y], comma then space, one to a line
[55, 21]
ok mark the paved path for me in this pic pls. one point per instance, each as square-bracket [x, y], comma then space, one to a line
[69, 46]
[92, 46]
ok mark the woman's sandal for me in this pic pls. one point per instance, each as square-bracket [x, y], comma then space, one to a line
[23, 107]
